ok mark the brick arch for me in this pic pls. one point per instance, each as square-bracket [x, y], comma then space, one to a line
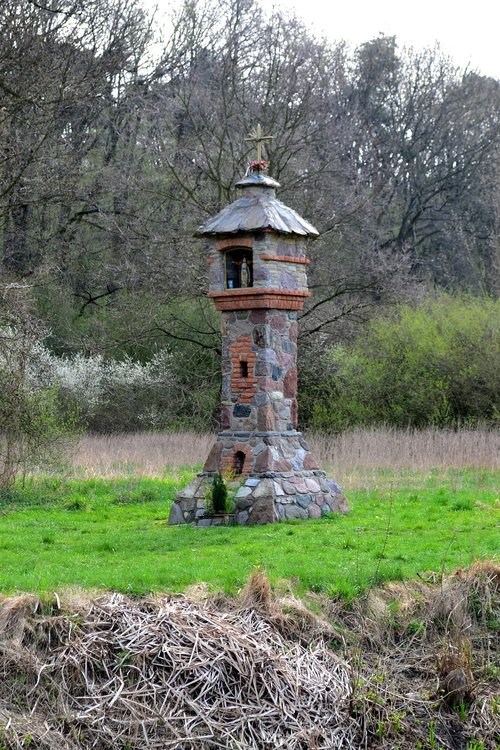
[229, 461]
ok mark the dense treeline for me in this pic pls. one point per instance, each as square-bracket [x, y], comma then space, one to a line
[436, 364]
[115, 145]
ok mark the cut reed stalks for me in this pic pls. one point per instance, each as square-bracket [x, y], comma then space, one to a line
[256, 672]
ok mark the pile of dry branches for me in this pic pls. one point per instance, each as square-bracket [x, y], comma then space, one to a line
[422, 660]
[160, 673]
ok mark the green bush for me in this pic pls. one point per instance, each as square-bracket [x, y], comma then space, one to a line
[436, 364]
[219, 494]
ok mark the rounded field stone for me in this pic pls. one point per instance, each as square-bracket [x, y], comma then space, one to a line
[304, 500]
[264, 489]
[242, 518]
[176, 515]
[260, 399]
[242, 503]
[258, 449]
[294, 511]
[338, 504]
[312, 485]
[287, 450]
[267, 355]
[300, 486]
[282, 464]
[313, 511]
[242, 410]
[263, 511]
[333, 486]
[263, 368]
[258, 316]
[264, 461]
[278, 322]
[243, 492]
[310, 462]
[276, 372]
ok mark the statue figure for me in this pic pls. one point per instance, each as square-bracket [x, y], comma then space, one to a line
[244, 274]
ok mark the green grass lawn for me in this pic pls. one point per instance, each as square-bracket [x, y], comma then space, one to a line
[112, 534]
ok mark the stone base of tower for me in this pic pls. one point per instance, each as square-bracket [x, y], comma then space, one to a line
[277, 479]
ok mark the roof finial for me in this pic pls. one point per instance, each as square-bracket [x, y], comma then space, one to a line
[258, 137]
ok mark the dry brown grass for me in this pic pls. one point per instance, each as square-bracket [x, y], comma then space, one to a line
[148, 454]
[166, 673]
[417, 449]
[154, 453]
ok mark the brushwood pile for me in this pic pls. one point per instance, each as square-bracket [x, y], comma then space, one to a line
[400, 665]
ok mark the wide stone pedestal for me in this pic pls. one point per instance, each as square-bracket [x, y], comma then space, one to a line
[279, 480]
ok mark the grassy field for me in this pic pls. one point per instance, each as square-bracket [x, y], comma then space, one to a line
[112, 534]
[422, 505]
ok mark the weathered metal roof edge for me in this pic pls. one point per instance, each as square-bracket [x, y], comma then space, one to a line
[254, 214]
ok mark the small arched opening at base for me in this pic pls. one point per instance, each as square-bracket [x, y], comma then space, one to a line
[238, 462]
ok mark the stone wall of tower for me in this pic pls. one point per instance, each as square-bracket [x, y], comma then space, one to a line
[270, 471]
[259, 370]
[279, 262]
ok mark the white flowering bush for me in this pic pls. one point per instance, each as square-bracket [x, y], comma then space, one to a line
[34, 430]
[46, 399]
[113, 395]
[108, 394]
[174, 389]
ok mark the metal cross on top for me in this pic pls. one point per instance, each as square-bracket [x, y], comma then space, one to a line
[258, 138]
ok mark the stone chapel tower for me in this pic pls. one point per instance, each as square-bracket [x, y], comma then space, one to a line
[258, 281]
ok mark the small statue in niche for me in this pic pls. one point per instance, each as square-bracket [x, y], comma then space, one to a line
[244, 274]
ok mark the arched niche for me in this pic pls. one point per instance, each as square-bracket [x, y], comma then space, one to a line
[238, 268]
[238, 462]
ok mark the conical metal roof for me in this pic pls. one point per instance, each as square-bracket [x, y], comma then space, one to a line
[256, 210]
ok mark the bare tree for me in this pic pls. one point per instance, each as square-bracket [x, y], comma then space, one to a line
[33, 430]
[113, 150]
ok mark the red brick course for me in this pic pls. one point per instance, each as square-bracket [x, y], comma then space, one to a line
[241, 351]
[234, 242]
[286, 259]
[248, 299]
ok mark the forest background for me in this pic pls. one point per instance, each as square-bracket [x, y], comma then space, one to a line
[118, 139]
